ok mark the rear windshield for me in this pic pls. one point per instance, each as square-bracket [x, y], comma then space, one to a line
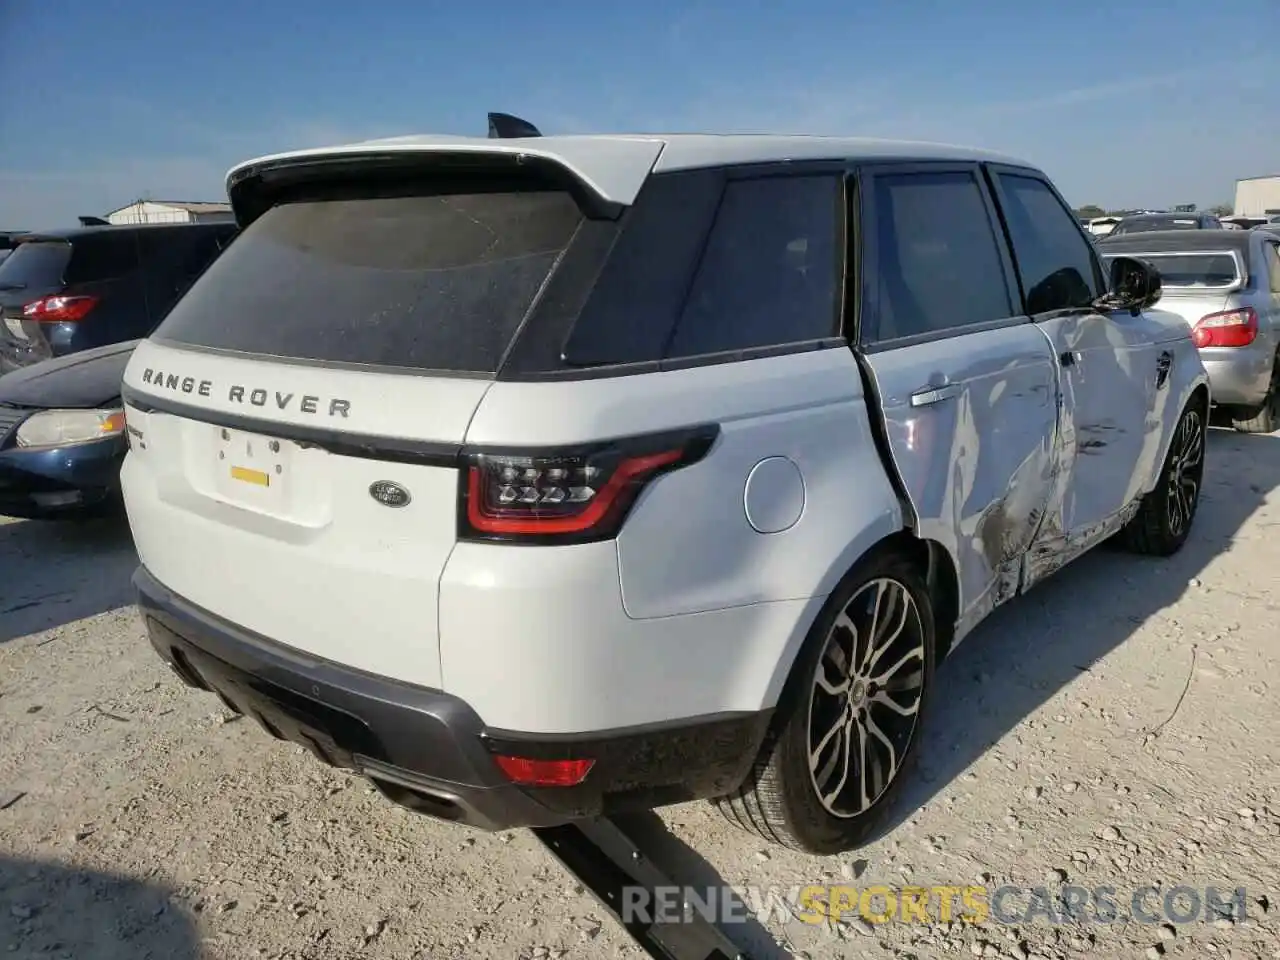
[1157, 223]
[1195, 269]
[424, 282]
[35, 265]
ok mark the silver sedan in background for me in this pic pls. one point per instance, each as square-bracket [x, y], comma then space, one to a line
[1226, 285]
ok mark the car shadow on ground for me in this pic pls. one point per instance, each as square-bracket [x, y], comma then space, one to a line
[1039, 643]
[51, 910]
[55, 573]
[687, 868]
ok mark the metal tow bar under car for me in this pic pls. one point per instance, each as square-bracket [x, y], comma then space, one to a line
[607, 861]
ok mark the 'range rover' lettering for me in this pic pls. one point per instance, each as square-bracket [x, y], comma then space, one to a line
[254, 396]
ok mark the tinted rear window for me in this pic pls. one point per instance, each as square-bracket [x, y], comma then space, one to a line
[35, 265]
[1157, 223]
[706, 266]
[769, 273]
[1195, 269]
[426, 282]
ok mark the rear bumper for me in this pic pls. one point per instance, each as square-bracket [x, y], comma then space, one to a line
[1238, 376]
[65, 481]
[431, 751]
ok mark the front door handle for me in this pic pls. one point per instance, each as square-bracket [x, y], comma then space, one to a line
[922, 398]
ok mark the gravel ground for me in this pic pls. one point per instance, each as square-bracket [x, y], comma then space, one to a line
[1118, 726]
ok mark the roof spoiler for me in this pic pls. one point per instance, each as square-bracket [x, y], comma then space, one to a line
[504, 126]
[94, 222]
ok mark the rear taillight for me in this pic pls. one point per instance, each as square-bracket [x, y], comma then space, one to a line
[1230, 328]
[59, 309]
[568, 496]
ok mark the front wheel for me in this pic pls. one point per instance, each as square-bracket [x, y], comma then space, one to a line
[1164, 519]
[849, 720]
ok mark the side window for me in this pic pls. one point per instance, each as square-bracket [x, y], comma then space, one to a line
[1273, 265]
[641, 290]
[938, 264]
[102, 256]
[1054, 261]
[204, 247]
[771, 271]
[160, 246]
[173, 256]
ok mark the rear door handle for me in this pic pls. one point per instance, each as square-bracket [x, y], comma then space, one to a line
[922, 398]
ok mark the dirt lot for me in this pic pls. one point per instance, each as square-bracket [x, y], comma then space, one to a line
[1118, 726]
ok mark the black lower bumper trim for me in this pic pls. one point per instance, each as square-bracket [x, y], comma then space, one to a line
[428, 750]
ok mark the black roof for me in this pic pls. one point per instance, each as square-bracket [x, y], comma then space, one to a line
[71, 233]
[1177, 241]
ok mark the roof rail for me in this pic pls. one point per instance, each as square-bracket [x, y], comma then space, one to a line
[504, 126]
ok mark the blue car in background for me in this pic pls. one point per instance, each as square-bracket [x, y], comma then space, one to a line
[63, 436]
[62, 291]
[73, 305]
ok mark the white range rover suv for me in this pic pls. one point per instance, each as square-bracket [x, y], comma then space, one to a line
[541, 478]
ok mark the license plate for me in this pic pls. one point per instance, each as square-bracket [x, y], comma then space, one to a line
[252, 469]
[15, 327]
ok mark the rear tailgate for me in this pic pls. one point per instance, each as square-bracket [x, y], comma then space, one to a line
[296, 418]
[264, 515]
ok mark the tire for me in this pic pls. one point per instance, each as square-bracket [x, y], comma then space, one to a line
[1167, 513]
[781, 799]
[1265, 419]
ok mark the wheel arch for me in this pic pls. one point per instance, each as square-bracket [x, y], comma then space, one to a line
[1200, 394]
[942, 579]
[936, 566]
[1197, 393]
[1196, 388]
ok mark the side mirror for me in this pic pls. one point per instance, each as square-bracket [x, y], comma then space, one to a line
[1134, 285]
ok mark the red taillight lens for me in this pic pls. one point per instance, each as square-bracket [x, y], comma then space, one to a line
[544, 773]
[59, 309]
[572, 496]
[1230, 328]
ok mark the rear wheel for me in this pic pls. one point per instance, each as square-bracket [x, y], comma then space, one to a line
[1164, 519]
[1265, 419]
[849, 720]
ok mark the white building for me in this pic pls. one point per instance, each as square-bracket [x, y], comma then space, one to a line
[169, 211]
[1258, 196]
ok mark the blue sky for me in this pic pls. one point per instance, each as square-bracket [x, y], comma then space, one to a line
[1121, 102]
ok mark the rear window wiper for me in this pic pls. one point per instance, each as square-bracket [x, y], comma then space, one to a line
[13, 286]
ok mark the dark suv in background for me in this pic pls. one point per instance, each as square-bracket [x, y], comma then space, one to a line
[1151, 222]
[63, 291]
